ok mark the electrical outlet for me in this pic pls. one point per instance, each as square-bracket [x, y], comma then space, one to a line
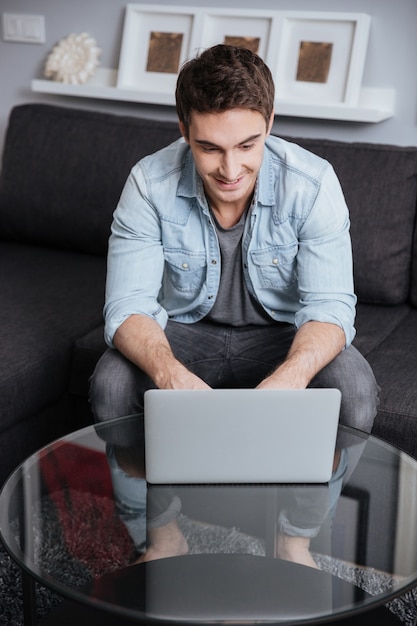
[23, 28]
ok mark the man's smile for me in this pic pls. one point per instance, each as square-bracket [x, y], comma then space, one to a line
[229, 183]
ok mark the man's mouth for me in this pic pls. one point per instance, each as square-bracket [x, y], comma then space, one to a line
[229, 183]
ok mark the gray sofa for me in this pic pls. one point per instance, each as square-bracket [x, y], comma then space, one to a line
[62, 172]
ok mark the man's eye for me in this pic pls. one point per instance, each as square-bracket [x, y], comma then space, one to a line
[247, 146]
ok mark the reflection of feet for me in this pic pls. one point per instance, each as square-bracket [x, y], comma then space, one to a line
[295, 549]
[165, 541]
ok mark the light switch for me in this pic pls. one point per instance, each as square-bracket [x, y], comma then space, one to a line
[23, 28]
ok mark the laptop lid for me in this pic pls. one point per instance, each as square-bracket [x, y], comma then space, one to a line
[240, 435]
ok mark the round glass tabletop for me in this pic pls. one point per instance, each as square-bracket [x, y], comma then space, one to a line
[80, 518]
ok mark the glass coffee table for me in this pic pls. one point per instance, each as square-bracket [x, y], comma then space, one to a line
[61, 522]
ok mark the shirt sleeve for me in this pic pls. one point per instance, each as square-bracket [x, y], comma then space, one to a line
[324, 261]
[135, 259]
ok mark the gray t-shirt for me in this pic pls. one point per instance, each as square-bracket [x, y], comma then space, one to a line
[234, 304]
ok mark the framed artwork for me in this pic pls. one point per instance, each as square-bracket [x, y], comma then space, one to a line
[315, 57]
[156, 41]
[249, 29]
[321, 57]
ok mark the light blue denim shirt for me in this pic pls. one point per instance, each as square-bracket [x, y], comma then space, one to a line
[164, 258]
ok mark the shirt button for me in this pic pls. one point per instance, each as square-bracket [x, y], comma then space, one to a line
[275, 261]
[185, 266]
[213, 262]
[210, 297]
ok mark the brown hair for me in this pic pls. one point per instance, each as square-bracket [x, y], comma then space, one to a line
[222, 78]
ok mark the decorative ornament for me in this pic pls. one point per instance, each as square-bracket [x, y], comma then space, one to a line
[73, 60]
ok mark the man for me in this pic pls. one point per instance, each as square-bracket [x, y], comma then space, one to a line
[230, 257]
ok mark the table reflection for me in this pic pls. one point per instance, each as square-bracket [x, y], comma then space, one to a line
[292, 515]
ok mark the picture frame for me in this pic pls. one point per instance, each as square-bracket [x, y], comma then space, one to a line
[156, 41]
[249, 28]
[317, 59]
[321, 57]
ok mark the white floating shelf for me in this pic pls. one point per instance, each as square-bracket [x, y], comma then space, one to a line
[375, 105]
[102, 86]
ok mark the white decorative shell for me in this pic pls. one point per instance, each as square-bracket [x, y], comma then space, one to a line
[73, 60]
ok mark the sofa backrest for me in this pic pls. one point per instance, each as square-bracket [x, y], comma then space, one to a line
[48, 148]
[63, 172]
[413, 291]
[380, 186]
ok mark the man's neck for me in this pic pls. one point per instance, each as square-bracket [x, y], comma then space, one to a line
[228, 217]
[229, 214]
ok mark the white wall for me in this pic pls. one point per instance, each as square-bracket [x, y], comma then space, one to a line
[390, 62]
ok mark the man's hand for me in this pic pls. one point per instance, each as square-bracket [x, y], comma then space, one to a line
[144, 342]
[182, 378]
[315, 345]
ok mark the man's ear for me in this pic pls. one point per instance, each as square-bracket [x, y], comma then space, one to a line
[183, 130]
[271, 121]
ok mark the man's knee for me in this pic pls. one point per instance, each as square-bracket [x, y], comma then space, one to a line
[116, 387]
[351, 373]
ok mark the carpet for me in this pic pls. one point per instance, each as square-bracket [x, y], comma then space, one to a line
[78, 537]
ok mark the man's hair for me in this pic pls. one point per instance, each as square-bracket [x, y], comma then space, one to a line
[222, 78]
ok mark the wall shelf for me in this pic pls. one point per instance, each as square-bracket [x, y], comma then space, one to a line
[375, 105]
[103, 86]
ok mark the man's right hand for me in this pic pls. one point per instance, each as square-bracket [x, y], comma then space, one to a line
[143, 341]
[182, 378]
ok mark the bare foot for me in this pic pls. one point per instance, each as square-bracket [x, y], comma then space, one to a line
[295, 549]
[165, 541]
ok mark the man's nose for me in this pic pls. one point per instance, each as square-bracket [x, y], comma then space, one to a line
[230, 167]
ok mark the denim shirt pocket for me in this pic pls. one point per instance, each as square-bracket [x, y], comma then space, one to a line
[276, 266]
[185, 270]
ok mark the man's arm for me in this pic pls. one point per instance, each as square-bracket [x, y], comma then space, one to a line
[144, 342]
[315, 345]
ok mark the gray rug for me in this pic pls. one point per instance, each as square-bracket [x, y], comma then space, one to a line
[201, 539]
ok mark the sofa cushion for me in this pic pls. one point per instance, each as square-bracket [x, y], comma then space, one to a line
[380, 186]
[394, 363]
[87, 351]
[398, 379]
[64, 169]
[413, 294]
[52, 298]
[375, 323]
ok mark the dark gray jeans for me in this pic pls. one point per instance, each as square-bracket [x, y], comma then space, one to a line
[224, 356]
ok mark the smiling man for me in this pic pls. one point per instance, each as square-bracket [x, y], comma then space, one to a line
[227, 158]
[230, 258]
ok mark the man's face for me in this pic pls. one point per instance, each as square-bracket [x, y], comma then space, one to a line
[228, 149]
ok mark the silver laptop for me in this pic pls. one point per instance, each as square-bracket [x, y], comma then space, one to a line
[240, 435]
